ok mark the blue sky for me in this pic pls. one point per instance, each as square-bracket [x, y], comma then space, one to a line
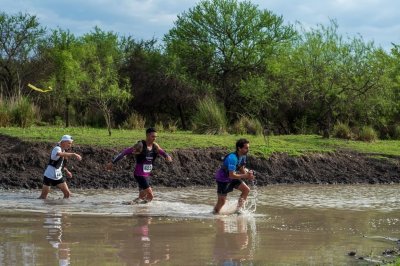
[374, 20]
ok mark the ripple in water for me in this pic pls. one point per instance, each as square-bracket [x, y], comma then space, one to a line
[199, 202]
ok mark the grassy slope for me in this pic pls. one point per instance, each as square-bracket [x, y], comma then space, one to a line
[291, 144]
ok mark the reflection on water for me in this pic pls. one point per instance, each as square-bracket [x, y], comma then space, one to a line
[303, 225]
[53, 224]
[234, 240]
[141, 248]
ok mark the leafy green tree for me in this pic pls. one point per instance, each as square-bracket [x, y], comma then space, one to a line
[163, 90]
[256, 94]
[224, 42]
[374, 100]
[327, 75]
[64, 51]
[144, 65]
[394, 75]
[20, 36]
[103, 87]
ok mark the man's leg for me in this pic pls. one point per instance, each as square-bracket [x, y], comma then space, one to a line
[220, 202]
[64, 188]
[145, 191]
[243, 196]
[146, 194]
[45, 191]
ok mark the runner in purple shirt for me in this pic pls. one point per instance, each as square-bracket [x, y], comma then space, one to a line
[231, 173]
[145, 152]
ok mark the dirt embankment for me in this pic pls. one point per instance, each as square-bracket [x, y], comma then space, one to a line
[22, 165]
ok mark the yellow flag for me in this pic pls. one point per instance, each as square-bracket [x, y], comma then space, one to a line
[39, 90]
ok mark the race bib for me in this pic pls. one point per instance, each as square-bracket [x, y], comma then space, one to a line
[147, 168]
[58, 173]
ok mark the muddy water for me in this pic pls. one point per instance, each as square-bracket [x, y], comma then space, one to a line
[302, 225]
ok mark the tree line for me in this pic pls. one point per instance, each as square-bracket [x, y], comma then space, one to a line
[234, 60]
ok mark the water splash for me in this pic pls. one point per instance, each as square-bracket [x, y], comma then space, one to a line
[104, 203]
[250, 204]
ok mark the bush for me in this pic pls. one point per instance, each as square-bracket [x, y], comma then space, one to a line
[367, 133]
[172, 126]
[58, 121]
[5, 116]
[93, 117]
[134, 121]
[342, 131]
[42, 124]
[210, 118]
[23, 112]
[247, 125]
[396, 132]
[159, 126]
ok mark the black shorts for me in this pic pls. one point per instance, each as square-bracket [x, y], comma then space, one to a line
[225, 187]
[143, 182]
[51, 182]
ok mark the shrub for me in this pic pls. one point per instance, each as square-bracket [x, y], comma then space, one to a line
[58, 121]
[247, 125]
[23, 112]
[342, 131]
[159, 126]
[172, 126]
[396, 132]
[94, 117]
[42, 124]
[134, 121]
[210, 118]
[5, 116]
[367, 133]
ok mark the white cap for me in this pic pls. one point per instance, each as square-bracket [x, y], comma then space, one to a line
[66, 138]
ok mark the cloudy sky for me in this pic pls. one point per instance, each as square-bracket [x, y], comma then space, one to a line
[374, 20]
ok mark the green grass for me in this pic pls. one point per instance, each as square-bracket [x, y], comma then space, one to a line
[291, 144]
[395, 263]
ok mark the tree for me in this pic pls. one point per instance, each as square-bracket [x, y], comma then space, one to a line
[163, 92]
[183, 90]
[394, 75]
[223, 42]
[19, 38]
[328, 76]
[66, 77]
[144, 65]
[101, 60]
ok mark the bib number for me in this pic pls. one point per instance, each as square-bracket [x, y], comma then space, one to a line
[58, 173]
[147, 168]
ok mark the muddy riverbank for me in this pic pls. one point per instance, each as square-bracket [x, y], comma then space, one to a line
[22, 165]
